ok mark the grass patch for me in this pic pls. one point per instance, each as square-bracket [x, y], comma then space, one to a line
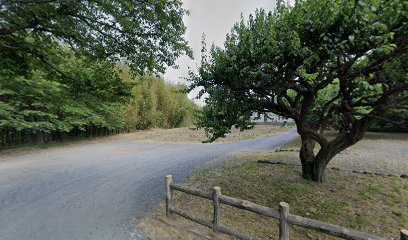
[373, 204]
[368, 203]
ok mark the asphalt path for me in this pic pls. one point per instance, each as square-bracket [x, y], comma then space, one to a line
[98, 191]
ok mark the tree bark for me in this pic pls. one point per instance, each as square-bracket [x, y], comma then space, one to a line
[314, 166]
[307, 156]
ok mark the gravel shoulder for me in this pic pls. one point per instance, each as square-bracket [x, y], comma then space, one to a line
[190, 135]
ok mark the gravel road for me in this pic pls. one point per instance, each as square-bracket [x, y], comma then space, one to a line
[98, 190]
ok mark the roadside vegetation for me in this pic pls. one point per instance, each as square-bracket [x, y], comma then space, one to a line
[42, 107]
[59, 74]
[156, 104]
[366, 202]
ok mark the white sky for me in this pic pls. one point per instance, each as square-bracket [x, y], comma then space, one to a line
[214, 18]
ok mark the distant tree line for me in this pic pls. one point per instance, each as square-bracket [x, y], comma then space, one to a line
[41, 106]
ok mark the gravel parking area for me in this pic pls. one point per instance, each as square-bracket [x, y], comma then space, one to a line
[385, 153]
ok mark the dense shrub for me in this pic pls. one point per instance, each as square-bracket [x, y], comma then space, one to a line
[156, 104]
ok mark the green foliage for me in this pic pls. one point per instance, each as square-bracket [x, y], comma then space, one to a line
[43, 106]
[57, 67]
[396, 120]
[148, 34]
[155, 104]
[41, 103]
[396, 117]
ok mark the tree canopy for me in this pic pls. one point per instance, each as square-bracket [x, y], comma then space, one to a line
[319, 62]
[147, 34]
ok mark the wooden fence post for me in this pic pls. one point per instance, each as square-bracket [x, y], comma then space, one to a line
[169, 195]
[217, 213]
[404, 234]
[283, 224]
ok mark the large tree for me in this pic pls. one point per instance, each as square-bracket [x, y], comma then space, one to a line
[148, 35]
[319, 62]
[59, 58]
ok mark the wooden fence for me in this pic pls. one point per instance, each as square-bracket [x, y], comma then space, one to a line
[285, 218]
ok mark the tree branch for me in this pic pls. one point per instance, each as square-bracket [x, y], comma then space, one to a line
[12, 29]
[73, 80]
[315, 136]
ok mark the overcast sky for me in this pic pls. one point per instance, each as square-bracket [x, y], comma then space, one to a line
[214, 18]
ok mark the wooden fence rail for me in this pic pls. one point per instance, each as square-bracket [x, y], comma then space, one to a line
[285, 218]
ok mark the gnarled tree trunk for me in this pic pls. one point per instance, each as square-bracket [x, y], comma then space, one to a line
[315, 169]
[307, 156]
[314, 165]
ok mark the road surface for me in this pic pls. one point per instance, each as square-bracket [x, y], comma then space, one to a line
[98, 191]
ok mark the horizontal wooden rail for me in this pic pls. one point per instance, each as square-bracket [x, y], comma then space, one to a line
[209, 224]
[330, 229]
[249, 206]
[190, 217]
[192, 191]
[283, 215]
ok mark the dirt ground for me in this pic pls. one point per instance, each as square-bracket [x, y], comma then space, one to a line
[385, 153]
[188, 135]
[365, 202]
